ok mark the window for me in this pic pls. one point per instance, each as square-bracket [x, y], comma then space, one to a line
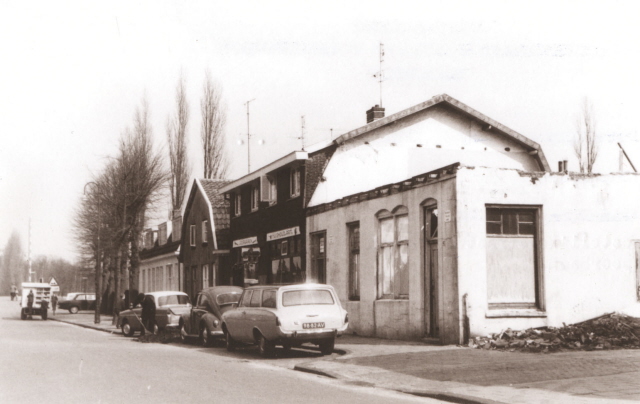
[513, 274]
[204, 230]
[294, 182]
[269, 189]
[246, 298]
[205, 276]
[393, 254]
[318, 257]
[306, 297]
[269, 299]
[192, 235]
[237, 204]
[255, 198]
[256, 298]
[354, 260]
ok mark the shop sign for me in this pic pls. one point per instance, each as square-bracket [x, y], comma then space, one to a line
[290, 232]
[245, 241]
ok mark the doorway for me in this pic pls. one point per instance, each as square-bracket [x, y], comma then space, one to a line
[430, 237]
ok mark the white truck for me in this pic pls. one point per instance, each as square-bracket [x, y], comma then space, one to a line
[41, 293]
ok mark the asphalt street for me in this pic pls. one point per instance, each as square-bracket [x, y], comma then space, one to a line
[54, 362]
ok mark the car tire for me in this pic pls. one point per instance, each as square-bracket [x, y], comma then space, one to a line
[326, 346]
[229, 342]
[205, 336]
[126, 328]
[73, 309]
[265, 347]
[183, 334]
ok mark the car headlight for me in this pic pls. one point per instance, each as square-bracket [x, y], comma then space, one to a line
[216, 323]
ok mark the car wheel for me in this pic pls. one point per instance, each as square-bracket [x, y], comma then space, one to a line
[127, 331]
[73, 309]
[265, 347]
[205, 336]
[326, 346]
[183, 333]
[230, 342]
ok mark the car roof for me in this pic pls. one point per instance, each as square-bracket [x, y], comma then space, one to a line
[222, 289]
[164, 293]
[296, 286]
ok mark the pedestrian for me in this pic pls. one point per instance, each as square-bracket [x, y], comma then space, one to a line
[14, 291]
[148, 314]
[54, 303]
[30, 298]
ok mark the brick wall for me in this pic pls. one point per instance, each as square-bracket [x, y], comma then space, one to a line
[314, 168]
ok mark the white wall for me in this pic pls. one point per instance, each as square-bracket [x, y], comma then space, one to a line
[589, 225]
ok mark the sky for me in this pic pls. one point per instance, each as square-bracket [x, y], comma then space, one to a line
[73, 73]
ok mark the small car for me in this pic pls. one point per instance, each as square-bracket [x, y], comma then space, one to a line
[203, 321]
[291, 315]
[81, 301]
[170, 306]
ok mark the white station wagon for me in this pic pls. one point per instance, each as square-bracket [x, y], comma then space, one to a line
[291, 315]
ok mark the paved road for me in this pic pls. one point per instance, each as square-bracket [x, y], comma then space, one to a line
[53, 362]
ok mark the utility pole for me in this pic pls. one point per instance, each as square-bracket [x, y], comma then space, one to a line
[248, 138]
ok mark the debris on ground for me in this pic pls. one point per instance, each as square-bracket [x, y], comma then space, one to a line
[610, 331]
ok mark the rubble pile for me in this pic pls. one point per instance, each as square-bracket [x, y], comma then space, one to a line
[610, 331]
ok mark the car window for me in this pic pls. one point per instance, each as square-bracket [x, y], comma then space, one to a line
[81, 297]
[90, 297]
[246, 298]
[202, 300]
[227, 298]
[173, 300]
[306, 297]
[269, 298]
[255, 299]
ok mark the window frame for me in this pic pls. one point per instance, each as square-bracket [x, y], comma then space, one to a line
[255, 197]
[537, 236]
[295, 182]
[354, 265]
[192, 235]
[205, 232]
[237, 205]
[395, 247]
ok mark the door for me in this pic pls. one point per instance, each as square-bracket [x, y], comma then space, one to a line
[318, 257]
[197, 312]
[430, 238]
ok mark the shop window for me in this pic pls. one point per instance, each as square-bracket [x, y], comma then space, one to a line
[237, 204]
[513, 273]
[294, 182]
[204, 230]
[255, 198]
[192, 235]
[354, 260]
[393, 254]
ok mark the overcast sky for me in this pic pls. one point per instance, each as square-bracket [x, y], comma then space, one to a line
[72, 74]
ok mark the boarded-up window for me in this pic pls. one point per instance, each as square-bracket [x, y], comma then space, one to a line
[393, 255]
[512, 264]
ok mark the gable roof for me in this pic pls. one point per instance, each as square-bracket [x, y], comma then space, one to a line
[495, 126]
[216, 204]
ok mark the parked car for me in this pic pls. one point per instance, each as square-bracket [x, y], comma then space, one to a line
[170, 306]
[81, 301]
[271, 315]
[204, 318]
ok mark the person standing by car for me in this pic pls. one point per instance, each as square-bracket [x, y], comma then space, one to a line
[14, 290]
[148, 314]
[30, 298]
[54, 303]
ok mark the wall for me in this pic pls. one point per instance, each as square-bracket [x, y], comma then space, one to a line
[160, 261]
[403, 319]
[588, 228]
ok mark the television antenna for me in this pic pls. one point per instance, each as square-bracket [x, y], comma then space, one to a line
[248, 138]
[380, 74]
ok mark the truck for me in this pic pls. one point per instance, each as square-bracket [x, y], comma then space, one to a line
[41, 294]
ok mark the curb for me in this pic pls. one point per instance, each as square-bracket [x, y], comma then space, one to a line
[438, 395]
[83, 325]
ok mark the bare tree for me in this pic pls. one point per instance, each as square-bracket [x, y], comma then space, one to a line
[212, 130]
[13, 263]
[177, 139]
[585, 145]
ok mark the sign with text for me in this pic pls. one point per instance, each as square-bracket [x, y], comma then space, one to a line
[245, 241]
[290, 232]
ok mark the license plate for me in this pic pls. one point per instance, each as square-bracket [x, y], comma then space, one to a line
[312, 325]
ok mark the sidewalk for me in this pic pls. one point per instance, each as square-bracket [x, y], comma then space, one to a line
[465, 375]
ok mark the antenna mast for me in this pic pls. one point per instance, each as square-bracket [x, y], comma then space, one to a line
[302, 132]
[248, 138]
[380, 74]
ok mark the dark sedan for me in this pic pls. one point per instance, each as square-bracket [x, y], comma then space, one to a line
[203, 321]
[81, 301]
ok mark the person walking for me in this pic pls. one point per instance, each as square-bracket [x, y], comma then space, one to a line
[148, 314]
[14, 291]
[30, 299]
[54, 303]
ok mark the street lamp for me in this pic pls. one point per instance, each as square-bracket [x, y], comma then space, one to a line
[98, 260]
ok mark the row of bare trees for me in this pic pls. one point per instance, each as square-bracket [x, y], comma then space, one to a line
[112, 216]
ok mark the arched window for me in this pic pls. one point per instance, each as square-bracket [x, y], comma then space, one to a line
[393, 253]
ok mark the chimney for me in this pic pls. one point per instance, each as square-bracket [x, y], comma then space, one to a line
[375, 113]
[176, 227]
